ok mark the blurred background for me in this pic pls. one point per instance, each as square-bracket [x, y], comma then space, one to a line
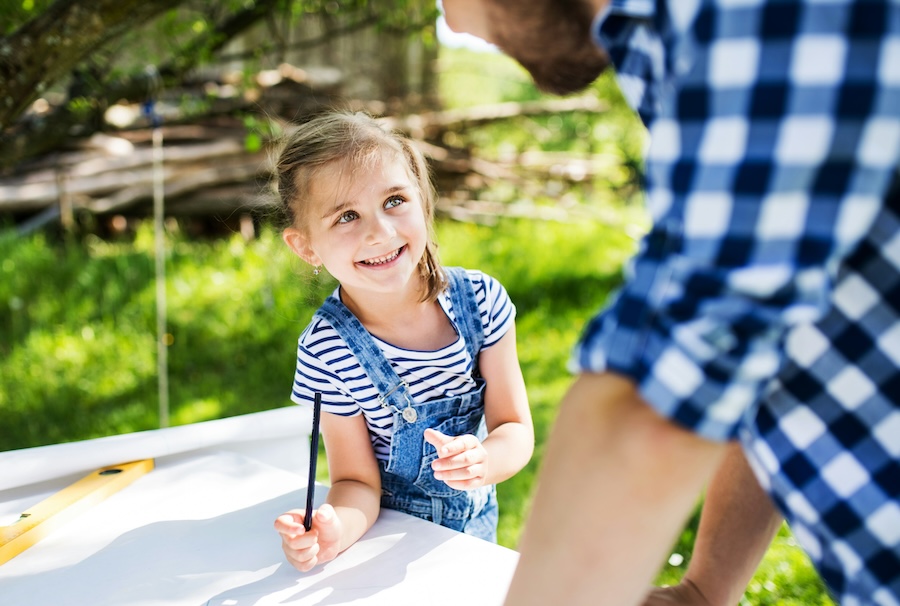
[541, 192]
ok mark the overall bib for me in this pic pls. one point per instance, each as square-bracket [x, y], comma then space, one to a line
[407, 480]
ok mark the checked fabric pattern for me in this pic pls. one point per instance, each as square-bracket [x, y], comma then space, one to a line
[826, 443]
[763, 302]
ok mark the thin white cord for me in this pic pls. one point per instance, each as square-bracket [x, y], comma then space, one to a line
[162, 354]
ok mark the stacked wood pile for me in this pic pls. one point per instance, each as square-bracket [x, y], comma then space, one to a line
[210, 170]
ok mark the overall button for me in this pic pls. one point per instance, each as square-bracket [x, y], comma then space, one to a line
[409, 414]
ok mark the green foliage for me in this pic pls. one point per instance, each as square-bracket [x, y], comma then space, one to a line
[470, 79]
[259, 130]
[612, 140]
[785, 576]
[16, 12]
[78, 320]
[78, 339]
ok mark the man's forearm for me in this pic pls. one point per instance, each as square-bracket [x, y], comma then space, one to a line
[736, 528]
[616, 486]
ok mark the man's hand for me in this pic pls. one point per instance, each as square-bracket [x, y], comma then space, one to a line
[683, 594]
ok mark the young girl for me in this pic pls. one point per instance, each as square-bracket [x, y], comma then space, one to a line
[424, 406]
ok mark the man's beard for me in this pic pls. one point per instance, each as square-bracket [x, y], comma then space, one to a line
[553, 44]
[565, 75]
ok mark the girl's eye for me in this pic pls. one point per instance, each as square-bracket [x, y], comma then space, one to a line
[347, 216]
[394, 201]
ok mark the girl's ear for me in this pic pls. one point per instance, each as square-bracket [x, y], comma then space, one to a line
[297, 241]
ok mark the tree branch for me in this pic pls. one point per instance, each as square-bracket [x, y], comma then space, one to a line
[46, 48]
[34, 137]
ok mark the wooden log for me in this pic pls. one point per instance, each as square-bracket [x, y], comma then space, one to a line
[181, 181]
[103, 177]
[208, 167]
[427, 125]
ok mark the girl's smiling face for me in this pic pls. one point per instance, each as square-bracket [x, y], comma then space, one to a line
[366, 225]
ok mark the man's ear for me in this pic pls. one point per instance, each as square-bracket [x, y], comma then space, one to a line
[297, 241]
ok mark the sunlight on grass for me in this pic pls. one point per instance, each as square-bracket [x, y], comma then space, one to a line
[198, 410]
[786, 577]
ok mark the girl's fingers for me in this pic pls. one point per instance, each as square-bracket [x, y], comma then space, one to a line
[301, 540]
[301, 561]
[467, 458]
[466, 484]
[290, 522]
[462, 461]
[457, 445]
[301, 551]
[470, 472]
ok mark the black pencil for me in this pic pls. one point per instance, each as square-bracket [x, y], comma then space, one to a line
[313, 456]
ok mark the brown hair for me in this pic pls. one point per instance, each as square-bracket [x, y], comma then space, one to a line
[354, 138]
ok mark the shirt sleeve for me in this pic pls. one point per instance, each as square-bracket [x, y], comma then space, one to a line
[321, 356]
[498, 313]
[770, 155]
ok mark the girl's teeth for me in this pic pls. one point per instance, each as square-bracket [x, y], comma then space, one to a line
[383, 260]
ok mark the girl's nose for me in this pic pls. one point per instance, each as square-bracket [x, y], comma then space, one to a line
[380, 230]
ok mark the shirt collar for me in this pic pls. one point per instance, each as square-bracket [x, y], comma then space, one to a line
[642, 9]
[632, 8]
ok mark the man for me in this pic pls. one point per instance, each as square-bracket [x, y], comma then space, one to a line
[762, 306]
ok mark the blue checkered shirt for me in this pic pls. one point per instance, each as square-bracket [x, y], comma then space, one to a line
[764, 304]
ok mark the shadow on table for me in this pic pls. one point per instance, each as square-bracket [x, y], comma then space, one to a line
[237, 554]
[385, 553]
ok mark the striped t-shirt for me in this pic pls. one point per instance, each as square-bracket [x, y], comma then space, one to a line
[326, 364]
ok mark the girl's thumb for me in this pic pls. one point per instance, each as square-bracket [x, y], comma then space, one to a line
[325, 514]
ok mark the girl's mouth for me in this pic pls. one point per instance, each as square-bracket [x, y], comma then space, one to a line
[375, 262]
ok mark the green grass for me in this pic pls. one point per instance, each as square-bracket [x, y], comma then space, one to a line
[78, 348]
[77, 323]
[77, 344]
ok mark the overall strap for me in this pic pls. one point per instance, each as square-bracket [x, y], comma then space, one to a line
[366, 351]
[372, 359]
[465, 308]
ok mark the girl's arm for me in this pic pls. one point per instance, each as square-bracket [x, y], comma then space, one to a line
[510, 441]
[353, 502]
[466, 464]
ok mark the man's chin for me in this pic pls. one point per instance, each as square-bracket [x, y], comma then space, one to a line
[567, 77]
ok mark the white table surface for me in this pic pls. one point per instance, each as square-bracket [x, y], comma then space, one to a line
[197, 530]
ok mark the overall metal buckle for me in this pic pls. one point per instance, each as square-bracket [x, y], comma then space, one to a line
[409, 413]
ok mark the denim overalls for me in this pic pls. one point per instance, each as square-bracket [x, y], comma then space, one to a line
[407, 480]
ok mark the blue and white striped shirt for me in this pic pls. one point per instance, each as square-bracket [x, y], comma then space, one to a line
[326, 364]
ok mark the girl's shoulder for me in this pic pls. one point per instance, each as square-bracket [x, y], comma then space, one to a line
[481, 281]
[488, 289]
[320, 338]
[496, 307]
[318, 329]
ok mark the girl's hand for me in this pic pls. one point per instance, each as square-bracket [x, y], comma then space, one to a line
[461, 462]
[306, 549]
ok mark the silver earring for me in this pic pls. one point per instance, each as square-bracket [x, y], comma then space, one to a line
[316, 270]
